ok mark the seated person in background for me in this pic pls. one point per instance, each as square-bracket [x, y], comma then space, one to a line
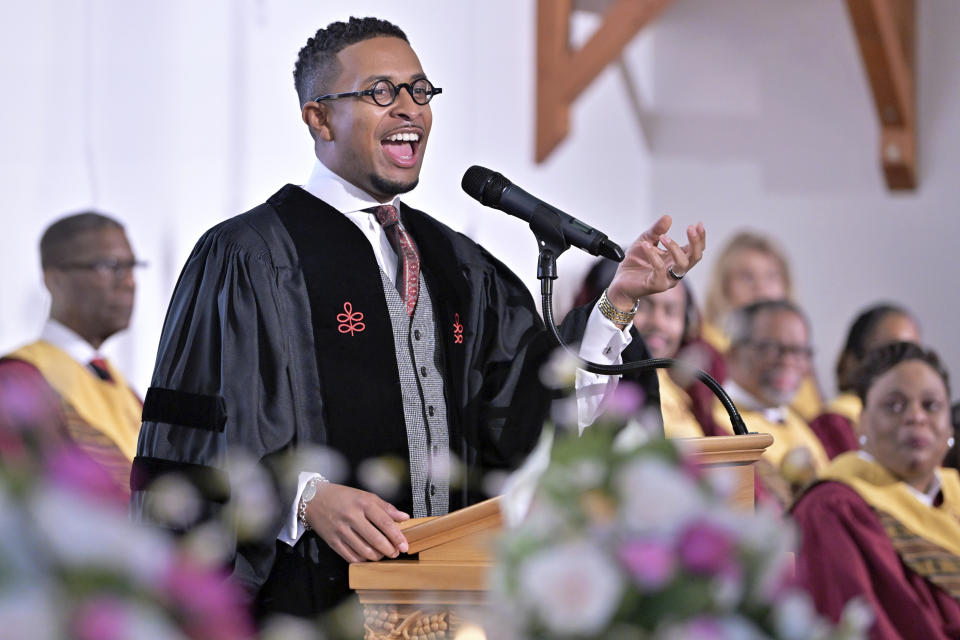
[768, 359]
[750, 268]
[883, 523]
[88, 269]
[666, 321]
[875, 326]
[670, 327]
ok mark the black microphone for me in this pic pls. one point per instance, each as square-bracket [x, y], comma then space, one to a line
[491, 189]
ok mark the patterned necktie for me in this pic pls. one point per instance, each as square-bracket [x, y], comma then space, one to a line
[99, 366]
[408, 267]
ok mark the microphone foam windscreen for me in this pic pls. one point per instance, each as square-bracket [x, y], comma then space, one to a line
[484, 185]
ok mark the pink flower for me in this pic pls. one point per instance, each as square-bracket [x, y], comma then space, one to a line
[705, 548]
[213, 607]
[704, 628]
[74, 470]
[101, 619]
[650, 562]
[627, 398]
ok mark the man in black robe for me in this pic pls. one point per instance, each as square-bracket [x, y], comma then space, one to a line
[285, 330]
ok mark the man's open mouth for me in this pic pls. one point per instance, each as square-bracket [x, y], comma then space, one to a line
[402, 147]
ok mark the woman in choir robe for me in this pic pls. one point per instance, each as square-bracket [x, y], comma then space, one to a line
[875, 326]
[883, 523]
[751, 268]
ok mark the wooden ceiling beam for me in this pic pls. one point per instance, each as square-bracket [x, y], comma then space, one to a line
[885, 31]
[563, 74]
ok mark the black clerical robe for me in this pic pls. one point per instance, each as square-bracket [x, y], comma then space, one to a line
[278, 334]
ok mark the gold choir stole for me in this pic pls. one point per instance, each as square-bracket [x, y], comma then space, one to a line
[101, 417]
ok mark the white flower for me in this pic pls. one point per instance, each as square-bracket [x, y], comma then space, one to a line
[90, 533]
[384, 478]
[30, 613]
[732, 627]
[632, 436]
[253, 502]
[329, 463]
[574, 588]
[794, 617]
[174, 501]
[586, 474]
[724, 481]
[856, 618]
[656, 497]
[284, 627]
[560, 370]
[543, 519]
[209, 544]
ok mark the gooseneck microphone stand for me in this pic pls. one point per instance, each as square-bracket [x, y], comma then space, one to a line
[551, 244]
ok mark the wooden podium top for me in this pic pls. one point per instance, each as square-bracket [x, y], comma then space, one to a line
[454, 550]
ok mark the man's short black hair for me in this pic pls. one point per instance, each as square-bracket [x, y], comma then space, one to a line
[880, 360]
[317, 65]
[55, 244]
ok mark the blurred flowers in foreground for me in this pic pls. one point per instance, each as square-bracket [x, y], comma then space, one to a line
[636, 543]
[73, 565]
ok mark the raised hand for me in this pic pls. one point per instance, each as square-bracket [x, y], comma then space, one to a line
[647, 269]
[357, 524]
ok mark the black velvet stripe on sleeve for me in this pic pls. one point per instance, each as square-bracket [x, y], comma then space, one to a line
[212, 483]
[185, 409]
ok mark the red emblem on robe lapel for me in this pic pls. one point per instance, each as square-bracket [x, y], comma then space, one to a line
[457, 329]
[350, 321]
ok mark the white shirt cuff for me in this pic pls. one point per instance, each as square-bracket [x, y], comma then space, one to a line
[603, 343]
[292, 527]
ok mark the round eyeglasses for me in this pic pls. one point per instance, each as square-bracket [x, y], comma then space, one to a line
[385, 93]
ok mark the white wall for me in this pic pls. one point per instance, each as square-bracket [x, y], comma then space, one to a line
[765, 120]
[176, 115]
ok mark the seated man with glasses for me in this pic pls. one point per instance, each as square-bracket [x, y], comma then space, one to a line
[88, 269]
[768, 359]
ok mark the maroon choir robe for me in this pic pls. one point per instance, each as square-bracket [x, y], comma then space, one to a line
[845, 552]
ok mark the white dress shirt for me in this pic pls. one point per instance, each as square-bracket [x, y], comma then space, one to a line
[602, 342]
[66, 339]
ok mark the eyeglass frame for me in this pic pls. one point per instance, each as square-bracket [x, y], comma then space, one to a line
[396, 92]
[106, 267]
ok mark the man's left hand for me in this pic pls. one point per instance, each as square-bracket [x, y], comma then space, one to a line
[644, 270]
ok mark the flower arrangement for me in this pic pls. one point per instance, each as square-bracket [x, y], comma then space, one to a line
[638, 543]
[72, 563]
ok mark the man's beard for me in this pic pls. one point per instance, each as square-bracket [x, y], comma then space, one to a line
[382, 185]
[778, 397]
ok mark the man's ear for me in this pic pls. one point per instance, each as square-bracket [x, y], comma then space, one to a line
[316, 115]
[53, 280]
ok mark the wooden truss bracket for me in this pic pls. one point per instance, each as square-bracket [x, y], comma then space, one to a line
[563, 74]
[885, 31]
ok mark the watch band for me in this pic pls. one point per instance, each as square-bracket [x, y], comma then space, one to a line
[308, 494]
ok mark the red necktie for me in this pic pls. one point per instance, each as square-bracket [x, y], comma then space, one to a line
[99, 366]
[408, 267]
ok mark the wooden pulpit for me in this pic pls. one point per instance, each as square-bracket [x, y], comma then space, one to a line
[442, 582]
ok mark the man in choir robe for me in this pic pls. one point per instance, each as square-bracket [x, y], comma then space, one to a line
[768, 359]
[882, 524]
[752, 267]
[335, 314]
[88, 270]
